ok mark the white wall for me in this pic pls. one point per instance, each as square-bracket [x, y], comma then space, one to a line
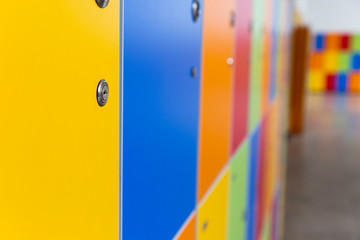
[330, 15]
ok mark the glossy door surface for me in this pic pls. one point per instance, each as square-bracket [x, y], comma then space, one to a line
[239, 193]
[257, 63]
[162, 44]
[59, 151]
[189, 231]
[216, 99]
[242, 73]
[253, 197]
[267, 55]
[213, 213]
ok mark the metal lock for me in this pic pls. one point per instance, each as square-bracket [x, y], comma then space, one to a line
[195, 10]
[102, 93]
[205, 226]
[233, 19]
[102, 3]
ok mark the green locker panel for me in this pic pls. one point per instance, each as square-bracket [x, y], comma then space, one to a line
[238, 194]
[257, 51]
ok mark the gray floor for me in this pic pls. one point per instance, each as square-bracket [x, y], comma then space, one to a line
[323, 176]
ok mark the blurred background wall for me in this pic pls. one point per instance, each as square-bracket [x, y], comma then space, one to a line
[327, 16]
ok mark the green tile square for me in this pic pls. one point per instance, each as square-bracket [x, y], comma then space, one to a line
[355, 42]
[257, 50]
[344, 62]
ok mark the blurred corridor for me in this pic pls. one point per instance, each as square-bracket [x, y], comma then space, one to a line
[323, 180]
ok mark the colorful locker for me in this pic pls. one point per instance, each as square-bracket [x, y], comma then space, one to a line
[238, 193]
[213, 212]
[262, 177]
[241, 73]
[267, 55]
[154, 162]
[275, 50]
[257, 51]
[253, 197]
[276, 217]
[216, 99]
[59, 174]
[189, 233]
[162, 61]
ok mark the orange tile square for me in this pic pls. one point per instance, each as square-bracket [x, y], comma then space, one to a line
[316, 62]
[333, 42]
[355, 83]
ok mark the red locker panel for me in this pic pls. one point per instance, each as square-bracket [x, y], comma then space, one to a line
[242, 69]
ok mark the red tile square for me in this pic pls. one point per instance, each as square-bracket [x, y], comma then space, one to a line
[331, 83]
[345, 42]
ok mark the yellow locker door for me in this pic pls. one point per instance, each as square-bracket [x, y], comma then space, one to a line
[59, 150]
[213, 213]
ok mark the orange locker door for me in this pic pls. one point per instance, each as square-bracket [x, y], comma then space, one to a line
[215, 135]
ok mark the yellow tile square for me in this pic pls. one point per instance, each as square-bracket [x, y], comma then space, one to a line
[316, 81]
[332, 65]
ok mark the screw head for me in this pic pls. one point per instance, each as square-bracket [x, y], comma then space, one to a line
[230, 61]
[193, 72]
[233, 19]
[195, 10]
[102, 3]
[102, 93]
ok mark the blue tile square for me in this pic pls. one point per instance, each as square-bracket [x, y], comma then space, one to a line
[343, 82]
[356, 61]
[319, 42]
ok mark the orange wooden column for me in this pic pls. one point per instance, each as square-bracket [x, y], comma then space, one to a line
[216, 101]
[301, 39]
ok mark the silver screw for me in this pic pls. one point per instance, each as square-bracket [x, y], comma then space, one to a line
[102, 3]
[230, 61]
[102, 93]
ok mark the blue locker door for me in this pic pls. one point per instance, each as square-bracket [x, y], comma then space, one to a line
[162, 44]
[253, 200]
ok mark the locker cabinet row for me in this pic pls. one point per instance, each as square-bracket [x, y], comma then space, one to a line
[243, 203]
[138, 119]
